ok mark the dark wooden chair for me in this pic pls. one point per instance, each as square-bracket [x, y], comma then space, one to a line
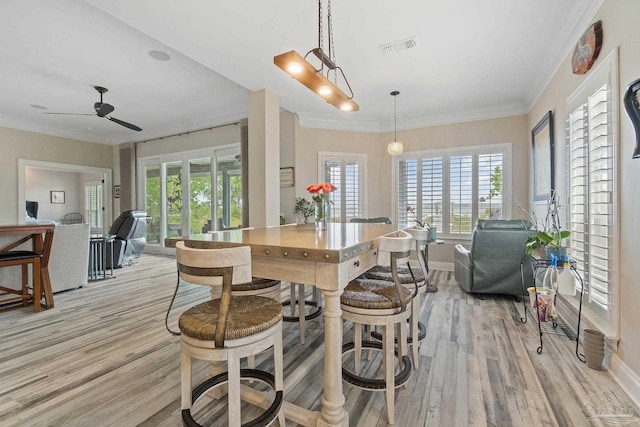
[24, 259]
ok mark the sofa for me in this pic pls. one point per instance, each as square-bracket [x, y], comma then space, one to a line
[68, 262]
[492, 265]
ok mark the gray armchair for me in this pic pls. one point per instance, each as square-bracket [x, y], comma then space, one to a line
[492, 266]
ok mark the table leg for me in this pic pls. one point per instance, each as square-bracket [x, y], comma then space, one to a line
[333, 413]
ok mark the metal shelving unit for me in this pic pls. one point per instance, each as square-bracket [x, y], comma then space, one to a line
[537, 266]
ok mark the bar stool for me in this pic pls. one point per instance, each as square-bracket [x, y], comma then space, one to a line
[24, 259]
[408, 277]
[386, 304]
[228, 328]
[297, 301]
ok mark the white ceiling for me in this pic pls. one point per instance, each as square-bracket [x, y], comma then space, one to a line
[474, 59]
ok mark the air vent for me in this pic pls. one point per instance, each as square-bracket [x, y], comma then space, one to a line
[395, 47]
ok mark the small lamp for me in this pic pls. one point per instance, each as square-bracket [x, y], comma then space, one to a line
[394, 148]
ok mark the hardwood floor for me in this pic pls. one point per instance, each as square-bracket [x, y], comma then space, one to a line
[102, 357]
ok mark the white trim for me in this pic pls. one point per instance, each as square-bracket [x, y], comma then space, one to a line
[65, 167]
[350, 123]
[628, 380]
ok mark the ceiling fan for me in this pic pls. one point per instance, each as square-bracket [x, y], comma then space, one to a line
[102, 109]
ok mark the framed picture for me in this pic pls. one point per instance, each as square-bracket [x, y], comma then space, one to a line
[286, 177]
[542, 154]
[57, 197]
[116, 191]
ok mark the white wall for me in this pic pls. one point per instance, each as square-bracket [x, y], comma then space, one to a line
[17, 144]
[484, 132]
[40, 182]
[621, 29]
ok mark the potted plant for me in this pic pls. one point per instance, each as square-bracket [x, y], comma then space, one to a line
[550, 236]
[304, 207]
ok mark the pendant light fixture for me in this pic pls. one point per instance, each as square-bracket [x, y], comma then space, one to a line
[314, 78]
[394, 148]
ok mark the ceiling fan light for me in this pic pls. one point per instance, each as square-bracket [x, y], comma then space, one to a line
[346, 107]
[394, 148]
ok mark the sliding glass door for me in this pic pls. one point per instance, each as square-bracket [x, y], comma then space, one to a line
[179, 194]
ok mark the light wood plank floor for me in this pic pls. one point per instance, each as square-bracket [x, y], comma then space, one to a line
[102, 357]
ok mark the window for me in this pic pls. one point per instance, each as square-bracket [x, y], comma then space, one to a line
[591, 184]
[451, 190]
[347, 172]
[93, 204]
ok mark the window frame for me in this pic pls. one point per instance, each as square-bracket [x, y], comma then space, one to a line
[446, 154]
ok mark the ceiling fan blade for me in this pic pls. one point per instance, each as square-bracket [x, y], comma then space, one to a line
[102, 108]
[74, 114]
[125, 124]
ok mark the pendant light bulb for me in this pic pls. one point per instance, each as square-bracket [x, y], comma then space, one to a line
[394, 148]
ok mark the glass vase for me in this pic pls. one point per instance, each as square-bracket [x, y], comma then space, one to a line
[322, 213]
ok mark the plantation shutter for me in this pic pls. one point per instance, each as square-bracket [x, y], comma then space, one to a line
[93, 204]
[347, 174]
[461, 188]
[591, 193]
[490, 167]
[432, 203]
[407, 183]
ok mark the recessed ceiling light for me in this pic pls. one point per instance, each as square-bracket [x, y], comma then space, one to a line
[38, 107]
[159, 55]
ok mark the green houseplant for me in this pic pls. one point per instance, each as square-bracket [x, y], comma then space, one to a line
[549, 235]
[304, 207]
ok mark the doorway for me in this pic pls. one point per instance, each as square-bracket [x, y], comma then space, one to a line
[69, 179]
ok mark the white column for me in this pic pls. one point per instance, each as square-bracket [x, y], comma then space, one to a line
[264, 159]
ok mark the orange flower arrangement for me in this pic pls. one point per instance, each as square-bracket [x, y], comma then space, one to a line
[320, 195]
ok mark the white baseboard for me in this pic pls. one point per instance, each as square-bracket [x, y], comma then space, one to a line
[445, 266]
[628, 380]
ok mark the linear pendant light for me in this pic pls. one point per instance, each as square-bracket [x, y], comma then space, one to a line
[303, 71]
[394, 148]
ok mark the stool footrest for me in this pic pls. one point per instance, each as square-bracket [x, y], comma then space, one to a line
[372, 383]
[310, 316]
[263, 420]
[422, 332]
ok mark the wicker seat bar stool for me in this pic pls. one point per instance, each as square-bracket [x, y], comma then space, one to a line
[228, 328]
[408, 277]
[386, 304]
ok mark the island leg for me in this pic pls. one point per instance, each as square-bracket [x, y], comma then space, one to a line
[333, 413]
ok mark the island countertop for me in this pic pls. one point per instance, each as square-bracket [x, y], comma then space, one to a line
[338, 243]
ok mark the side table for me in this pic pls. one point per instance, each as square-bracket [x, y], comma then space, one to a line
[99, 248]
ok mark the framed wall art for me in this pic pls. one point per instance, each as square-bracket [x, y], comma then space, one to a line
[57, 197]
[542, 155]
[286, 177]
[116, 191]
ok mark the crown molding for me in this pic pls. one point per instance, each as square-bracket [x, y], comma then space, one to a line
[215, 119]
[19, 124]
[573, 35]
[319, 121]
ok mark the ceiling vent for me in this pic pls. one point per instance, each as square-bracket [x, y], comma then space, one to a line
[395, 47]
